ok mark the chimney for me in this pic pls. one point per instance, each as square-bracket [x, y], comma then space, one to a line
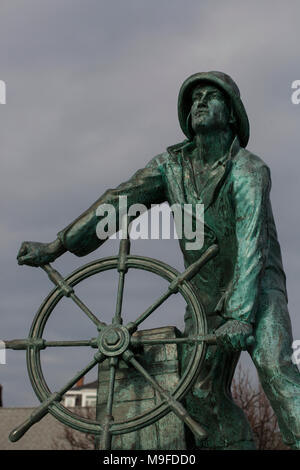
[80, 382]
[1, 395]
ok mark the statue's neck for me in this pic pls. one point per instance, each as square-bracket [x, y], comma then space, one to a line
[212, 146]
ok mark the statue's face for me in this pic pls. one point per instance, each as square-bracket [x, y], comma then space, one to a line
[210, 110]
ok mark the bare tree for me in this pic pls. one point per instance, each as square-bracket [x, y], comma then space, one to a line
[258, 410]
[70, 439]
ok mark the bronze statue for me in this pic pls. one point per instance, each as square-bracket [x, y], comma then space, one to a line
[243, 288]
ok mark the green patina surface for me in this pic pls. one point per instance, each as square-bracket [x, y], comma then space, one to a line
[133, 395]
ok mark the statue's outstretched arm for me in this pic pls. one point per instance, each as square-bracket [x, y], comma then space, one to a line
[80, 237]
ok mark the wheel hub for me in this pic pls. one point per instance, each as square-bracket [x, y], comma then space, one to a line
[113, 340]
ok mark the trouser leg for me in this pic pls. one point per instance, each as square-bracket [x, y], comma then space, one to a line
[211, 404]
[272, 356]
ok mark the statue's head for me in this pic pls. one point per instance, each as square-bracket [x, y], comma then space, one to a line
[211, 100]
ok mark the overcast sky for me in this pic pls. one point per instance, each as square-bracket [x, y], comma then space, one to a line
[92, 92]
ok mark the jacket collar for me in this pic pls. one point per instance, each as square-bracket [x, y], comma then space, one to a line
[184, 148]
[219, 170]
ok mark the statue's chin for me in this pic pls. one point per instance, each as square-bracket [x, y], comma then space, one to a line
[202, 126]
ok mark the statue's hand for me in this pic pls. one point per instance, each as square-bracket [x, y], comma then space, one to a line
[38, 254]
[235, 335]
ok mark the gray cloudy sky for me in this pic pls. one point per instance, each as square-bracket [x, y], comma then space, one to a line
[91, 96]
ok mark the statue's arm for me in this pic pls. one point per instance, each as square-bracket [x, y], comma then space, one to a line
[251, 188]
[144, 187]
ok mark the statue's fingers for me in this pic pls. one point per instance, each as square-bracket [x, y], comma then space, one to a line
[250, 340]
[220, 339]
[225, 342]
[246, 342]
[236, 343]
[24, 259]
[23, 250]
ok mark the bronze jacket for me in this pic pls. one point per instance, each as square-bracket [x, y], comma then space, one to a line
[238, 216]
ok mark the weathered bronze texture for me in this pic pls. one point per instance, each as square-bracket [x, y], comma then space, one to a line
[242, 289]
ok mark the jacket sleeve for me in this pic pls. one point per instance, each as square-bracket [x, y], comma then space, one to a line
[144, 187]
[251, 190]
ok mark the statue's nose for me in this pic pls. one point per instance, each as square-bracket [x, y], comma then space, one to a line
[203, 99]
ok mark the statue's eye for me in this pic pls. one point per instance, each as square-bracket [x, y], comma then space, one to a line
[197, 97]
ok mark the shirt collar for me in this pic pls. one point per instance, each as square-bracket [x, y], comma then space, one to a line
[233, 150]
[186, 146]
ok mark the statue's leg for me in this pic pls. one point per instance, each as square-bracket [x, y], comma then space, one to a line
[272, 356]
[211, 404]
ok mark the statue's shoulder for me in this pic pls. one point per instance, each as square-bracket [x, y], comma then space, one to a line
[172, 154]
[178, 148]
[158, 161]
[176, 154]
[247, 163]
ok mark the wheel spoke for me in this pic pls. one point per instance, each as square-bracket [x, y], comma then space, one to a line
[174, 404]
[132, 326]
[187, 275]
[40, 343]
[105, 441]
[210, 339]
[117, 320]
[88, 312]
[43, 409]
[84, 342]
[98, 406]
[68, 291]
[98, 358]
[19, 344]
[194, 268]
[122, 269]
